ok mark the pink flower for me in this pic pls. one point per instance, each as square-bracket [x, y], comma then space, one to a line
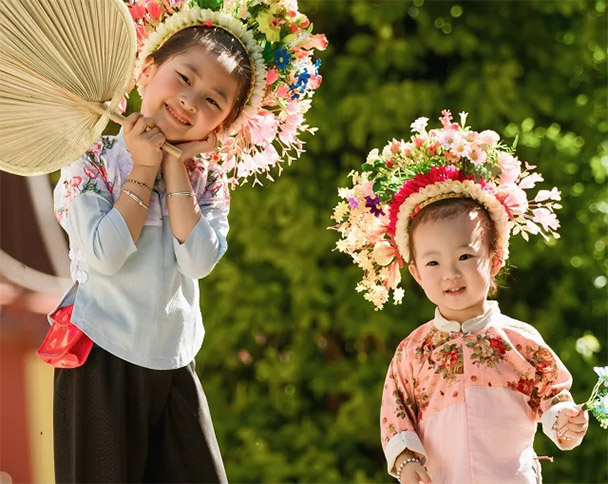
[510, 168]
[513, 198]
[530, 181]
[272, 76]
[269, 157]
[75, 181]
[314, 82]
[532, 227]
[394, 275]
[488, 138]
[384, 253]
[543, 195]
[154, 10]
[283, 91]
[90, 173]
[546, 218]
[263, 127]
[289, 129]
[317, 41]
[477, 156]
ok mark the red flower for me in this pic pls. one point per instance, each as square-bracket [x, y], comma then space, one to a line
[498, 345]
[75, 181]
[137, 12]
[524, 386]
[154, 10]
[90, 173]
[414, 185]
[207, 23]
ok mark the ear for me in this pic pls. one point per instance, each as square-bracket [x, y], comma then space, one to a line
[147, 72]
[414, 272]
[496, 264]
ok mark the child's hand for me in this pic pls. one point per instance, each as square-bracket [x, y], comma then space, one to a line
[194, 148]
[413, 473]
[572, 425]
[144, 140]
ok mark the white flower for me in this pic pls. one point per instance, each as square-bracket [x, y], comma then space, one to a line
[419, 126]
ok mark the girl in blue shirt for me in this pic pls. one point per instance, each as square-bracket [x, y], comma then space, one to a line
[143, 226]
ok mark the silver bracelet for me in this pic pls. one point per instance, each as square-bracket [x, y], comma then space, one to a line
[404, 463]
[183, 194]
[135, 197]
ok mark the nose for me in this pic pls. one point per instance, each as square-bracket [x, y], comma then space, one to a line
[451, 272]
[188, 102]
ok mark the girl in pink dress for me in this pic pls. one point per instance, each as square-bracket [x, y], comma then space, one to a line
[465, 391]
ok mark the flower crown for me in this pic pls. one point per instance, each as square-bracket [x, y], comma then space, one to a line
[450, 162]
[280, 44]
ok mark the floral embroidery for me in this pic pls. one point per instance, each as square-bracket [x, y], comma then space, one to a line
[451, 362]
[433, 340]
[488, 350]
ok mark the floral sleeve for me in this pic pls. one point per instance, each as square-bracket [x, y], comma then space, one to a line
[550, 391]
[84, 206]
[87, 174]
[398, 414]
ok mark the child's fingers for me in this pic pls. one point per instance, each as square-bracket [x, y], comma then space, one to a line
[142, 125]
[424, 477]
[130, 121]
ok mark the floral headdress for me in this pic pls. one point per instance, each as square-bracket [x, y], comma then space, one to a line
[451, 162]
[280, 44]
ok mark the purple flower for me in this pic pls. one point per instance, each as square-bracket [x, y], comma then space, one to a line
[372, 203]
[352, 201]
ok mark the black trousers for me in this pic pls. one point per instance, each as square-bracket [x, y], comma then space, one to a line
[119, 422]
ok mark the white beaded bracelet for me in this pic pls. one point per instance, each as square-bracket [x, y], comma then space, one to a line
[183, 194]
[404, 463]
[135, 197]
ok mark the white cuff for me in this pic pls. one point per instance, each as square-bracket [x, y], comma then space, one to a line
[400, 442]
[550, 417]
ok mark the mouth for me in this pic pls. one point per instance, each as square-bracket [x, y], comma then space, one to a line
[177, 116]
[455, 291]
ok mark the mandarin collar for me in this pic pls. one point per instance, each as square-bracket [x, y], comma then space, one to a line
[470, 325]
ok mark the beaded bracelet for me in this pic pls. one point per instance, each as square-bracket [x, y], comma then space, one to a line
[404, 463]
[137, 182]
[184, 194]
[136, 198]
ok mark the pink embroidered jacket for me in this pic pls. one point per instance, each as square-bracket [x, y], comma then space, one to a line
[468, 398]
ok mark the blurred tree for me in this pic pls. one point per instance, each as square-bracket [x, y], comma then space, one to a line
[294, 359]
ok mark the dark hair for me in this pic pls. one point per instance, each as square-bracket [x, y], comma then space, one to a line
[228, 51]
[449, 209]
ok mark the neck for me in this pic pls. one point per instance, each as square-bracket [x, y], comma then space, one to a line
[462, 315]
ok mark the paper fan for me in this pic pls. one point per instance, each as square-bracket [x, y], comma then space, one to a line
[59, 61]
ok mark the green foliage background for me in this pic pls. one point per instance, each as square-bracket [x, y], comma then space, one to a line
[294, 360]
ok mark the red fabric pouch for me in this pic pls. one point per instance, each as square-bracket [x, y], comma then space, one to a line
[65, 345]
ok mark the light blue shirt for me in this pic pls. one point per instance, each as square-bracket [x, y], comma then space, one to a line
[138, 301]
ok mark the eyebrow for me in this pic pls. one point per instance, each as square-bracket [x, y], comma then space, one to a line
[435, 252]
[220, 92]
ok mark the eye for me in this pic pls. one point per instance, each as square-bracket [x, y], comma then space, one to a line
[432, 263]
[465, 257]
[213, 102]
[184, 78]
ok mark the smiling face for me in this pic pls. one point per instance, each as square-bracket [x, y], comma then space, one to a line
[453, 264]
[189, 95]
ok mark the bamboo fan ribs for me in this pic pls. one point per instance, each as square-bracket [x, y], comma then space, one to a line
[59, 59]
